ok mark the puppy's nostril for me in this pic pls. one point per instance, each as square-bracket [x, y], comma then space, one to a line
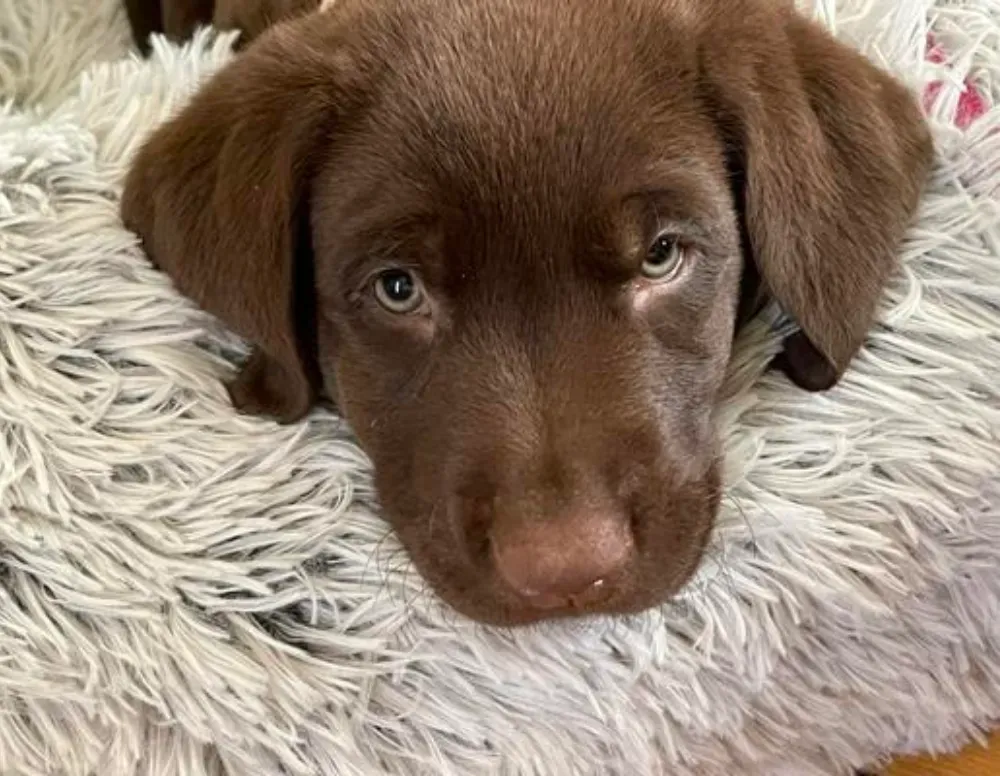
[552, 563]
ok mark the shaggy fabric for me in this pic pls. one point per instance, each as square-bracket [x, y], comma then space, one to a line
[188, 592]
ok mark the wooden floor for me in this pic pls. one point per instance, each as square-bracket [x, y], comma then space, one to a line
[974, 761]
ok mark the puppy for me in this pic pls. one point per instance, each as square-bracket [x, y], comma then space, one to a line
[512, 240]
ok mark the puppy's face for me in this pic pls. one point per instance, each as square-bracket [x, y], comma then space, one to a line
[508, 238]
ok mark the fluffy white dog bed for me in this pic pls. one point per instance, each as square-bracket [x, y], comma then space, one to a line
[186, 592]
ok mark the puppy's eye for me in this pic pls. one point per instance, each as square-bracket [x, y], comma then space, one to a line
[664, 258]
[398, 291]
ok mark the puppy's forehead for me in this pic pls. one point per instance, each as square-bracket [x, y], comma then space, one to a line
[529, 95]
[512, 54]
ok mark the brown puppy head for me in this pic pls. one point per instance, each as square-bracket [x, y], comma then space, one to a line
[508, 237]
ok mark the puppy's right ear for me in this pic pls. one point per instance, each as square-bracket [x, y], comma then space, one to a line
[219, 196]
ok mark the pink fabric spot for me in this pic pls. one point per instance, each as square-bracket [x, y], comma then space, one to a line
[935, 54]
[972, 104]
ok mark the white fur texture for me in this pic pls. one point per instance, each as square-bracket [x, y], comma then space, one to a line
[188, 592]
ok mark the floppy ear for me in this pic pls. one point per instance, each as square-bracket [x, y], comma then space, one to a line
[219, 196]
[832, 154]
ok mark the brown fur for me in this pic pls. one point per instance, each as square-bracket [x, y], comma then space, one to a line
[545, 419]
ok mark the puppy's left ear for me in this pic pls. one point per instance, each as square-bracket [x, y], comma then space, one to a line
[221, 197]
[832, 153]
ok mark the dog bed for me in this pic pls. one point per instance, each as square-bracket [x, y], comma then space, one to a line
[188, 592]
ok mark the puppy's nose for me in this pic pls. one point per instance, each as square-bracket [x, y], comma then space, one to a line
[563, 561]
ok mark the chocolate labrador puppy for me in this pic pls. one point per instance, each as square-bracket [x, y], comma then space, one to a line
[510, 239]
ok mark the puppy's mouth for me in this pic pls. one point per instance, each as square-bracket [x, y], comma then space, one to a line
[624, 596]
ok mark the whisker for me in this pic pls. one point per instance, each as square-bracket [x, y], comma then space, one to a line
[376, 552]
[732, 501]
